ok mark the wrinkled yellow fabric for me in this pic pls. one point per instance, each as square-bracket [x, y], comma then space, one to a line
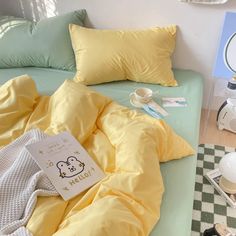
[127, 145]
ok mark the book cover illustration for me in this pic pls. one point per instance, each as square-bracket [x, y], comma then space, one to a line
[225, 65]
[174, 102]
[66, 163]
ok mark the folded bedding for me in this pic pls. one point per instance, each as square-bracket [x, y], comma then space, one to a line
[126, 144]
[21, 181]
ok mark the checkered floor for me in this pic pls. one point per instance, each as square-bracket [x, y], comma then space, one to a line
[209, 207]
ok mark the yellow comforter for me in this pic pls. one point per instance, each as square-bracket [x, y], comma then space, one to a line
[127, 145]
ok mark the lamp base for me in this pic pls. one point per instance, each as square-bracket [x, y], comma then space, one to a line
[227, 186]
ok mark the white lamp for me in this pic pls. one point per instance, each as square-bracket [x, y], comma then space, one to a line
[227, 168]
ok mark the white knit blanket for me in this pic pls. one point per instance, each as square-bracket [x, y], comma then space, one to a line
[21, 181]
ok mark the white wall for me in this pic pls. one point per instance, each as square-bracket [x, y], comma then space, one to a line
[199, 25]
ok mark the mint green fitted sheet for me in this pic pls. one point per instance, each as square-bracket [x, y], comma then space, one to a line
[178, 176]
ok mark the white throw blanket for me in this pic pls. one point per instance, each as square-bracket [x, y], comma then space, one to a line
[21, 180]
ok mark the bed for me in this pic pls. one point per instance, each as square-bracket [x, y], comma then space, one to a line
[112, 63]
[178, 175]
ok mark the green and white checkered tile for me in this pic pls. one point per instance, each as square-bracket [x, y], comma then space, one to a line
[209, 207]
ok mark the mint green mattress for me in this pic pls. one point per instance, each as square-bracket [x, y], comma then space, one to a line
[178, 176]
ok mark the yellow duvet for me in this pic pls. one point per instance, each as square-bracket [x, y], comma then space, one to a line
[127, 145]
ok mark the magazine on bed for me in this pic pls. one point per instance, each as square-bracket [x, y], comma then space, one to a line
[66, 163]
[174, 102]
[213, 177]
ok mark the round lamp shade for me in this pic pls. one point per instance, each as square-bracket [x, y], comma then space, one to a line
[227, 168]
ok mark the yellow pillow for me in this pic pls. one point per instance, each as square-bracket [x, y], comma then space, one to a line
[112, 55]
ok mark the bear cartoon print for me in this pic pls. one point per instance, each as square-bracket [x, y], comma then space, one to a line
[70, 168]
[66, 163]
